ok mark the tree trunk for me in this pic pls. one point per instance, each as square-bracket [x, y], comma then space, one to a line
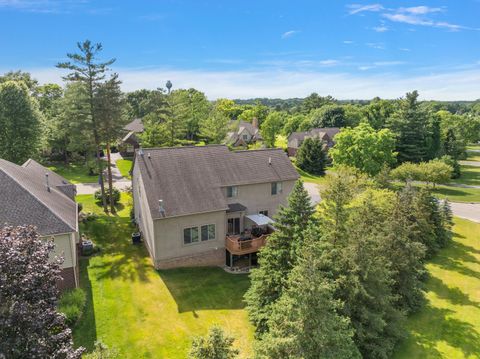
[110, 181]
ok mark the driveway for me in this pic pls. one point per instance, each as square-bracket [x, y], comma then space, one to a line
[470, 211]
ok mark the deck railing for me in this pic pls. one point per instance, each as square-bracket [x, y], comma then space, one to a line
[239, 247]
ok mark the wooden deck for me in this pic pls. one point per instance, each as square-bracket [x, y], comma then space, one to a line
[239, 247]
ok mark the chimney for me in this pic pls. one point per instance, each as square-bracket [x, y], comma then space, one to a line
[255, 123]
[148, 155]
[160, 207]
[46, 180]
[269, 161]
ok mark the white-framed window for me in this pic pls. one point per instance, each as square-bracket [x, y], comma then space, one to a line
[245, 137]
[190, 235]
[276, 188]
[208, 232]
[232, 191]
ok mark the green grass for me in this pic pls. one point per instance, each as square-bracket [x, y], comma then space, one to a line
[91, 205]
[146, 313]
[74, 172]
[457, 194]
[470, 175]
[473, 147]
[125, 166]
[449, 325]
[307, 177]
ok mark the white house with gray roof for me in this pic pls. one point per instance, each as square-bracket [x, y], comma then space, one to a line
[208, 205]
[33, 195]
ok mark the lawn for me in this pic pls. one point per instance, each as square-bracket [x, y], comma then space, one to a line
[449, 325]
[146, 313]
[124, 167]
[470, 175]
[307, 177]
[74, 172]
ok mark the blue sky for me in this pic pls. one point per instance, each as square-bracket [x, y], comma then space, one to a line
[242, 49]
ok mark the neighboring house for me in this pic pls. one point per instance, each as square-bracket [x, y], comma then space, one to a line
[244, 133]
[208, 205]
[33, 195]
[130, 141]
[326, 135]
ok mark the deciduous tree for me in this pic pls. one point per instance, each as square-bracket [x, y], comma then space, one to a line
[30, 325]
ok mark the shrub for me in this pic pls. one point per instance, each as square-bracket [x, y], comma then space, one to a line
[102, 351]
[72, 304]
[115, 193]
[452, 162]
[216, 345]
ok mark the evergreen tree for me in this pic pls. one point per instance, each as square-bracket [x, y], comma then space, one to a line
[305, 322]
[331, 115]
[214, 128]
[278, 257]
[409, 123]
[20, 121]
[216, 345]
[87, 70]
[312, 156]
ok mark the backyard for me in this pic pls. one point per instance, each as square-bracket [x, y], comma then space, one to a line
[146, 313]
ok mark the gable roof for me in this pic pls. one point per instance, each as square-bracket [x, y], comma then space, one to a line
[54, 179]
[135, 126]
[330, 132]
[190, 179]
[26, 201]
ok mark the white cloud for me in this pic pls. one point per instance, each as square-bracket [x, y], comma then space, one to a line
[358, 8]
[290, 33]
[381, 28]
[43, 6]
[376, 45]
[415, 15]
[420, 10]
[454, 85]
[348, 42]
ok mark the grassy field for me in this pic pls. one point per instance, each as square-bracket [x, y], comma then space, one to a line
[457, 194]
[449, 325]
[307, 177]
[470, 175]
[124, 166]
[146, 313]
[74, 172]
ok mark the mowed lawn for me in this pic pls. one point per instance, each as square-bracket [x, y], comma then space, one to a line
[146, 313]
[124, 166]
[449, 325]
[74, 172]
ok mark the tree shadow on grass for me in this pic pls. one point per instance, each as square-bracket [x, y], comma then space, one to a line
[453, 294]
[455, 257]
[205, 288]
[451, 192]
[434, 325]
[118, 257]
[85, 331]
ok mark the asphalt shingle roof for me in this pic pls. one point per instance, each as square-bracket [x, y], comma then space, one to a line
[320, 132]
[25, 200]
[135, 126]
[190, 179]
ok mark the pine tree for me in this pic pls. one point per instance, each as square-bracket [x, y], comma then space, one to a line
[278, 257]
[305, 322]
[312, 156]
[409, 123]
[216, 345]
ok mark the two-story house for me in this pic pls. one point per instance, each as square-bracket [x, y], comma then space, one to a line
[33, 195]
[243, 133]
[208, 205]
[325, 134]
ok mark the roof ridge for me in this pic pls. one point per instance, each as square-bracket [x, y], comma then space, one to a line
[260, 149]
[180, 147]
[38, 199]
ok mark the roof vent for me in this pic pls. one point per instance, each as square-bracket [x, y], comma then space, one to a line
[148, 155]
[270, 161]
[161, 208]
[140, 151]
[46, 180]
